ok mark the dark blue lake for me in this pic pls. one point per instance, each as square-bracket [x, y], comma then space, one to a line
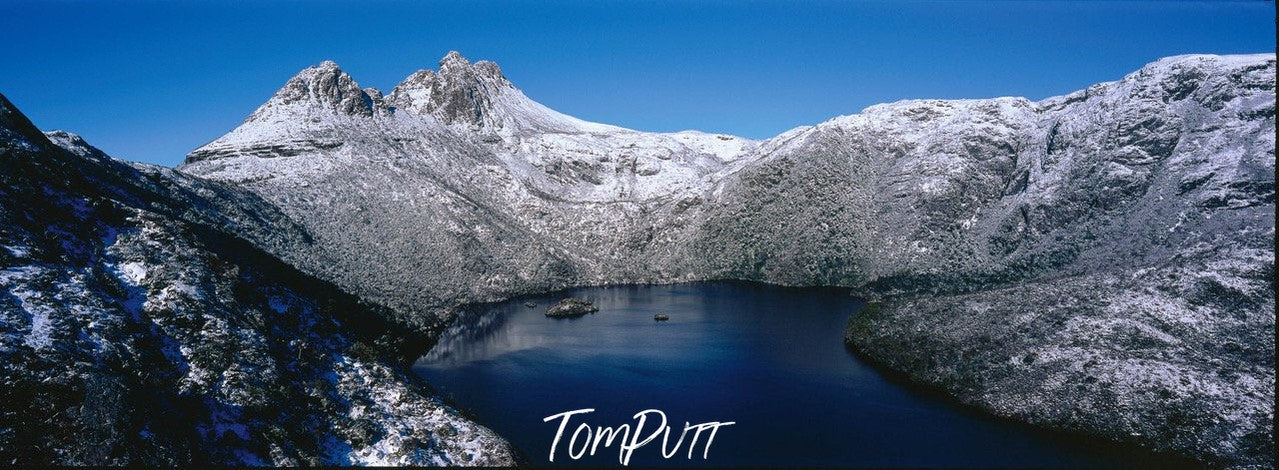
[771, 359]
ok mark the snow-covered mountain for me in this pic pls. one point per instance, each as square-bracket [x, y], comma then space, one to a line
[142, 322]
[1099, 261]
[459, 171]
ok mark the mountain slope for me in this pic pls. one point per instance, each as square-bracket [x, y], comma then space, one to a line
[1148, 200]
[505, 197]
[1101, 261]
[1007, 188]
[142, 322]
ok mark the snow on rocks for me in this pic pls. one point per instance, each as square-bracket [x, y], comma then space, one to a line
[919, 199]
[142, 312]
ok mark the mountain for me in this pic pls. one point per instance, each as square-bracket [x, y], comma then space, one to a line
[1112, 272]
[1101, 261]
[460, 171]
[144, 321]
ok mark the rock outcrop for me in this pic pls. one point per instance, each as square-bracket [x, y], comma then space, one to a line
[461, 93]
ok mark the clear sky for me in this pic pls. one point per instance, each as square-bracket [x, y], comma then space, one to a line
[150, 81]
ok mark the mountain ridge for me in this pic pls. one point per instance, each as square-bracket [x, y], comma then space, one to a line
[912, 203]
[142, 322]
[1100, 261]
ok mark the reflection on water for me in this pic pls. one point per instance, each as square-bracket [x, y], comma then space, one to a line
[473, 336]
[770, 358]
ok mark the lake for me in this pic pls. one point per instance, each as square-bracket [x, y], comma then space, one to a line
[770, 359]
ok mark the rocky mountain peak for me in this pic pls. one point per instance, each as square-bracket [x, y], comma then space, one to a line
[460, 92]
[454, 58]
[325, 85]
[455, 63]
[73, 143]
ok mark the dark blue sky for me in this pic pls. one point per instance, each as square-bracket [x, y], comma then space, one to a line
[151, 81]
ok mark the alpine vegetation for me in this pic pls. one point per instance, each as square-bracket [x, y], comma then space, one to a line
[1100, 262]
[141, 324]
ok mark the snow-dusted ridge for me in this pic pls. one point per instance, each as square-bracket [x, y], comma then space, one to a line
[323, 109]
[457, 188]
[1101, 261]
[142, 323]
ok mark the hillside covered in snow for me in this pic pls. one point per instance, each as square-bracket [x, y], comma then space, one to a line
[141, 324]
[1100, 262]
[1119, 238]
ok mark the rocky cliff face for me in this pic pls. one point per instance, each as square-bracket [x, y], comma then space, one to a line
[461, 93]
[1106, 254]
[142, 322]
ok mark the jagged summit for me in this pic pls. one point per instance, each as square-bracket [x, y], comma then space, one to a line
[461, 91]
[454, 56]
[323, 107]
[454, 63]
[324, 85]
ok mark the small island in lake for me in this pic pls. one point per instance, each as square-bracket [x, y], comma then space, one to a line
[571, 308]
